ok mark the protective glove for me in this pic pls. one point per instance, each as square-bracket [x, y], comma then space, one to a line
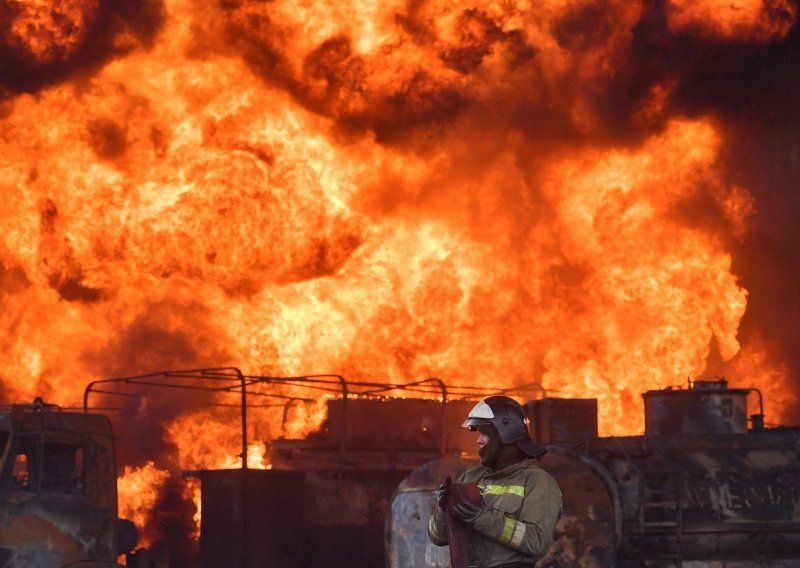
[468, 511]
[441, 497]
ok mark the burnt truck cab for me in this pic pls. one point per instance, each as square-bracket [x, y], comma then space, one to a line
[58, 489]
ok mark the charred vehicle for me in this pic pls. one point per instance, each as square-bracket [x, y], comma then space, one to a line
[699, 489]
[58, 490]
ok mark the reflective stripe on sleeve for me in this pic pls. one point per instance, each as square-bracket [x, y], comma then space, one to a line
[513, 532]
[518, 490]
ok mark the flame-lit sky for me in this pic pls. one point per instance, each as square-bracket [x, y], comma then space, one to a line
[598, 196]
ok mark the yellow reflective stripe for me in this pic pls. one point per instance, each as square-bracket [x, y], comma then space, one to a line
[513, 532]
[508, 530]
[518, 490]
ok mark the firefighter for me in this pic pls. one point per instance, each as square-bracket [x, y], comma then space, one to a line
[511, 522]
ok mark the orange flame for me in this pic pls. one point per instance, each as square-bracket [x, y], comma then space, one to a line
[660, 305]
[478, 191]
[749, 20]
[138, 489]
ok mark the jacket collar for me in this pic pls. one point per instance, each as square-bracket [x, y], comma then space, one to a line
[510, 470]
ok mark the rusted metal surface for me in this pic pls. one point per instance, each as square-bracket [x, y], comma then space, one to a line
[407, 542]
[696, 411]
[295, 519]
[588, 533]
[562, 419]
[689, 499]
[389, 434]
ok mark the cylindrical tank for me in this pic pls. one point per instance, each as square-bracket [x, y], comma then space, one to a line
[707, 407]
[407, 542]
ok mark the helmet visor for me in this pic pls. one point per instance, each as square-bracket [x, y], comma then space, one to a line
[473, 423]
[480, 414]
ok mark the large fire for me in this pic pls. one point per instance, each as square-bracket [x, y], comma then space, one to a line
[494, 193]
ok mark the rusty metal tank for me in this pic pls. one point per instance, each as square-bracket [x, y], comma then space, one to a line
[706, 407]
[407, 541]
[704, 491]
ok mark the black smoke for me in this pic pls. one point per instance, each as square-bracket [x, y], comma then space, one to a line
[86, 49]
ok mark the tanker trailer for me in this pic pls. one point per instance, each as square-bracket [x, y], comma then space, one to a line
[700, 489]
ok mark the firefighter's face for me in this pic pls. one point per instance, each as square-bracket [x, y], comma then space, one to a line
[488, 445]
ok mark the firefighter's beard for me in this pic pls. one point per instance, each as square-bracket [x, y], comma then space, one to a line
[490, 451]
[496, 455]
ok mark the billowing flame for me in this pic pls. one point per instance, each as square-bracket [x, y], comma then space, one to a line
[139, 489]
[651, 279]
[49, 30]
[194, 488]
[749, 20]
[203, 443]
[494, 193]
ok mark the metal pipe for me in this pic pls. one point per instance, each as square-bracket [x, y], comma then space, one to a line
[244, 416]
[738, 527]
[139, 380]
[245, 499]
[679, 519]
[343, 434]
[758, 419]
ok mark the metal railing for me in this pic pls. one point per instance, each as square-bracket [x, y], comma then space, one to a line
[273, 389]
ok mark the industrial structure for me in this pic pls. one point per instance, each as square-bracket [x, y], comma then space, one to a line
[705, 486]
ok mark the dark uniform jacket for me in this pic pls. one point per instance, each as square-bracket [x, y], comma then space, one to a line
[523, 504]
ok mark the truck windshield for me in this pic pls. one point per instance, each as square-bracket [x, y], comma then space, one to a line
[25, 472]
[62, 469]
